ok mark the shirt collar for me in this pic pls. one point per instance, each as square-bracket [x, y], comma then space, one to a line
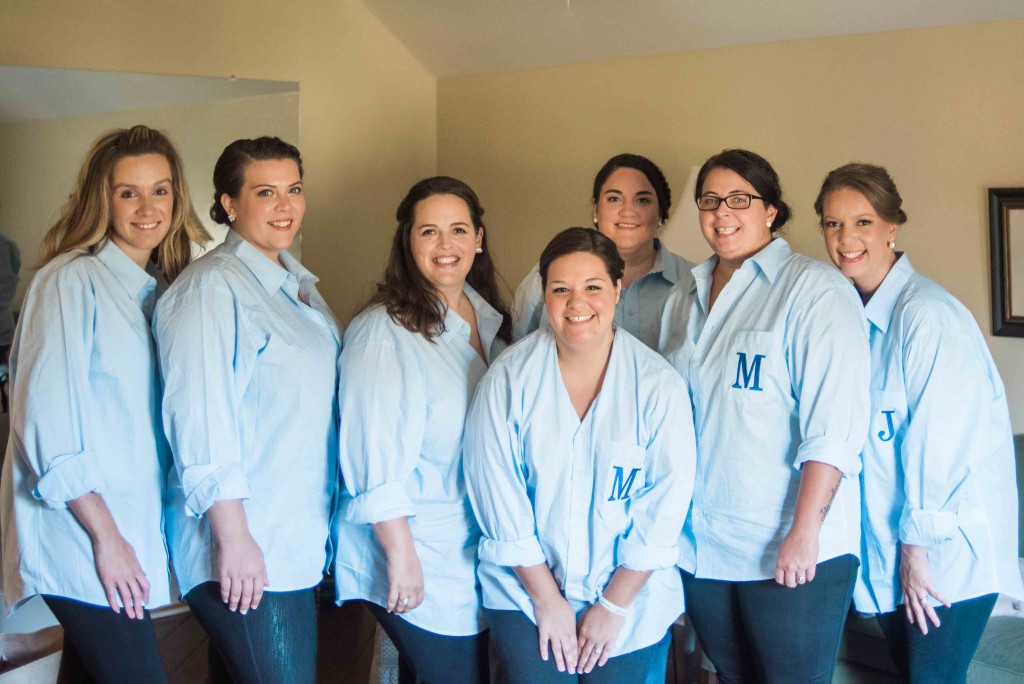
[135, 281]
[881, 305]
[770, 259]
[668, 268]
[488, 320]
[270, 275]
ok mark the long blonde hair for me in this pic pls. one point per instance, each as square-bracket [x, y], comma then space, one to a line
[85, 219]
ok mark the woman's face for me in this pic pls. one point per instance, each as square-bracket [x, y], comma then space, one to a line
[141, 204]
[857, 239]
[580, 298]
[444, 243]
[735, 235]
[627, 209]
[269, 208]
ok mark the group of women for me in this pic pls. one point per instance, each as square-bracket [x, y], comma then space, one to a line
[766, 433]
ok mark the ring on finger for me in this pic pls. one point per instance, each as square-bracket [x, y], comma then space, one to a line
[923, 598]
[599, 650]
[801, 579]
[404, 601]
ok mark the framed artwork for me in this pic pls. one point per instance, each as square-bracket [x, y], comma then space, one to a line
[1006, 245]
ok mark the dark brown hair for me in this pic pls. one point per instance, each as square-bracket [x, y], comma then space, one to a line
[645, 166]
[229, 172]
[587, 241]
[754, 169]
[406, 293]
[874, 182]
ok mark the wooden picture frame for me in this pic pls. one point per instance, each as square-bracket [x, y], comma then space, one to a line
[1006, 247]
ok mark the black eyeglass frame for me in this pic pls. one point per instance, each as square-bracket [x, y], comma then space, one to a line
[750, 199]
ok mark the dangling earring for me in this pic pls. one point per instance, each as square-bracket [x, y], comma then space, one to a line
[479, 250]
[892, 244]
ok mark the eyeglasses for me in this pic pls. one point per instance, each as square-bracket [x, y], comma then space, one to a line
[740, 200]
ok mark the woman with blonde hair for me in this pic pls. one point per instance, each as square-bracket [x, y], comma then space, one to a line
[83, 481]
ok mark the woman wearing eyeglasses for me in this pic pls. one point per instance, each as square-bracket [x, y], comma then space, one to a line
[940, 496]
[774, 348]
[631, 200]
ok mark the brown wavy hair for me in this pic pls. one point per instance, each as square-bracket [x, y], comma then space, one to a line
[408, 296]
[85, 218]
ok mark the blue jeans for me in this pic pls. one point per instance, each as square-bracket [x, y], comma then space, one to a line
[944, 654]
[103, 646]
[659, 661]
[274, 644]
[429, 658]
[761, 631]
[516, 640]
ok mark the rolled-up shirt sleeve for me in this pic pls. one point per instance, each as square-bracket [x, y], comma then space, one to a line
[496, 481]
[51, 416]
[382, 403]
[658, 510]
[947, 389]
[207, 360]
[830, 365]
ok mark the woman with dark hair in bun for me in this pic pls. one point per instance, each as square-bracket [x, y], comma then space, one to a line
[249, 353]
[407, 538]
[940, 496]
[774, 348]
[579, 462]
[631, 200]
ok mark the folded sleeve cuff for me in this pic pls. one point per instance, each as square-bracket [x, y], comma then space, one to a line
[205, 485]
[519, 553]
[384, 502]
[69, 477]
[640, 557]
[927, 528]
[834, 452]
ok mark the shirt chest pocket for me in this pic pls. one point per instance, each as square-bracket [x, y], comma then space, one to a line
[620, 475]
[754, 367]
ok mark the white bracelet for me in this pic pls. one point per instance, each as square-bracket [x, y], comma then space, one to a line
[611, 607]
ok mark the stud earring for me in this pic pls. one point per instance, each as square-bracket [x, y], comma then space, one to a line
[768, 224]
[479, 250]
[595, 220]
[231, 218]
[892, 245]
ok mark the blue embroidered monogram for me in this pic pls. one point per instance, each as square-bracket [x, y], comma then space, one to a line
[748, 373]
[622, 483]
[890, 432]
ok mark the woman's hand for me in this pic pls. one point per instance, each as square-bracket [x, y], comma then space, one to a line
[599, 628]
[556, 625]
[405, 573]
[243, 574]
[121, 575]
[797, 559]
[916, 578]
[405, 581]
[116, 564]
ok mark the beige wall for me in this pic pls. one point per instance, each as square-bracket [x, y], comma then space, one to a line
[41, 159]
[943, 109]
[368, 109]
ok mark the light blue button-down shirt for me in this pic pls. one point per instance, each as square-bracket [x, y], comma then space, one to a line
[585, 497]
[638, 311]
[85, 417]
[938, 464]
[778, 373]
[249, 355]
[403, 402]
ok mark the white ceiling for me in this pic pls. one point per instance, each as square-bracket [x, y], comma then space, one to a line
[461, 37]
[30, 94]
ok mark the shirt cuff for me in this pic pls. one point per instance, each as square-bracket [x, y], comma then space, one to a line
[640, 557]
[927, 528]
[205, 485]
[384, 502]
[69, 477]
[519, 553]
[834, 452]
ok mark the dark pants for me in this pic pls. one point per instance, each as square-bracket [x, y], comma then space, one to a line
[516, 640]
[943, 655]
[273, 644]
[435, 658]
[765, 632]
[657, 674]
[103, 646]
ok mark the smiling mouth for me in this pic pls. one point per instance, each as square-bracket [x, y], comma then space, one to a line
[446, 260]
[727, 231]
[579, 319]
[853, 256]
[146, 226]
[627, 226]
